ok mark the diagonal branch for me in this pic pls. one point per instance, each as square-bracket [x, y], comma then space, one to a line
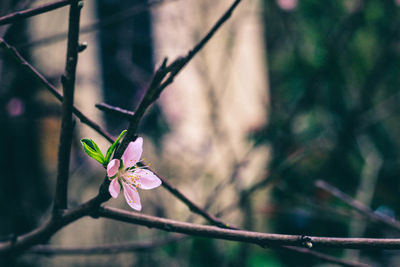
[19, 15]
[117, 111]
[20, 5]
[68, 81]
[358, 206]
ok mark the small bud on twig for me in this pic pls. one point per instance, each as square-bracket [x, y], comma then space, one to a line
[82, 47]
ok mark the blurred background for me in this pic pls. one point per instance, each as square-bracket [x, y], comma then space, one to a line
[288, 92]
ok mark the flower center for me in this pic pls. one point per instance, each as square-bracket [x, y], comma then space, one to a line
[130, 178]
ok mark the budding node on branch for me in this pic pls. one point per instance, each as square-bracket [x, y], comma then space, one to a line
[82, 47]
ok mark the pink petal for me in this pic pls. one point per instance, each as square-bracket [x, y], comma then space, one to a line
[133, 153]
[114, 188]
[132, 197]
[112, 167]
[146, 179]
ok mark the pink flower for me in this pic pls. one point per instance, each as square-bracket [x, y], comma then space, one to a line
[130, 176]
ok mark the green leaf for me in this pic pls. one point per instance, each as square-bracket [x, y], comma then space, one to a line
[96, 147]
[113, 146]
[92, 149]
[88, 143]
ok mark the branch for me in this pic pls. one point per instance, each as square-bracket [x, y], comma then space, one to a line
[358, 206]
[68, 81]
[19, 15]
[120, 112]
[262, 239]
[52, 89]
[20, 5]
[106, 249]
[164, 76]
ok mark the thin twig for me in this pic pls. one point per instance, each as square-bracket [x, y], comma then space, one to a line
[117, 111]
[19, 15]
[68, 81]
[137, 246]
[23, 4]
[358, 206]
